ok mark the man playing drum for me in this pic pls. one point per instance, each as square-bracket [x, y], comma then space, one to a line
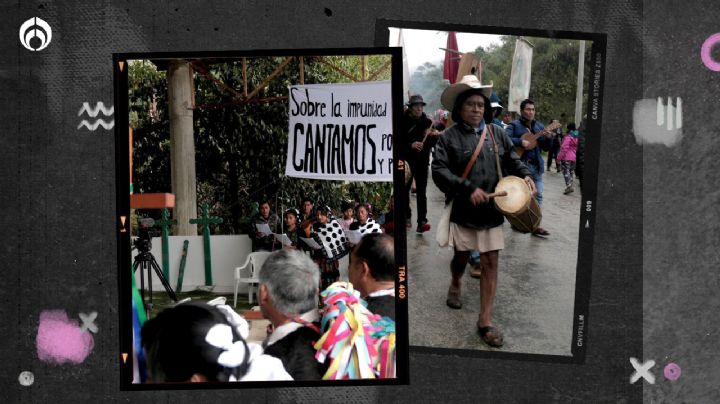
[475, 222]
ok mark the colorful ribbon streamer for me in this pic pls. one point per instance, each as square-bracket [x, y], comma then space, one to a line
[357, 343]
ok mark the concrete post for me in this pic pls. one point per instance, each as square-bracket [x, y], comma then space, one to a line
[182, 149]
[579, 88]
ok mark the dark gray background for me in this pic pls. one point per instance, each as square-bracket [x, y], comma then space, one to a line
[655, 205]
[681, 232]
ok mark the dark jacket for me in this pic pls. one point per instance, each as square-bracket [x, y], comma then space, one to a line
[452, 154]
[519, 127]
[382, 305]
[297, 354]
[413, 130]
[268, 242]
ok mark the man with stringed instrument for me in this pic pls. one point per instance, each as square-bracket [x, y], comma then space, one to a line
[418, 138]
[529, 136]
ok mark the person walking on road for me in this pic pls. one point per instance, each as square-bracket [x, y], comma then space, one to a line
[418, 138]
[527, 124]
[464, 167]
[567, 157]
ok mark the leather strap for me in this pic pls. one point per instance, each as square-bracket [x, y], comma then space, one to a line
[476, 153]
[497, 155]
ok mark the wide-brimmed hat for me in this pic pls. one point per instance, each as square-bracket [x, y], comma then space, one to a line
[469, 82]
[416, 99]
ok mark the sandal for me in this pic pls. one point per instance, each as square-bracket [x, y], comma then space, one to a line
[491, 336]
[453, 298]
[541, 232]
[476, 271]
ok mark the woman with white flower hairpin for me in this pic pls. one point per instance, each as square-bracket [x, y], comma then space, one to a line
[199, 342]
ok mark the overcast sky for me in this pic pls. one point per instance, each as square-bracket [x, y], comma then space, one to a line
[424, 46]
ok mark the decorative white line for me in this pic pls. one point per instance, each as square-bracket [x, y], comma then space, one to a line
[98, 107]
[94, 125]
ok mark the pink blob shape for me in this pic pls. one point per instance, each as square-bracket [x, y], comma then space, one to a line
[60, 340]
[705, 55]
[672, 371]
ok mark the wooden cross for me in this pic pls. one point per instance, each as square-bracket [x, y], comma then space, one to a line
[165, 224]
[205, 221]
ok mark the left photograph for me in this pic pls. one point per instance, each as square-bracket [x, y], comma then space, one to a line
[256, 239]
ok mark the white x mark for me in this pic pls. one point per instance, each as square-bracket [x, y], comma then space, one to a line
[642, 371]
[89, 322]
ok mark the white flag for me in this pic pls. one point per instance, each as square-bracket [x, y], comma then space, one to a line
[520, 74]
[400, 41]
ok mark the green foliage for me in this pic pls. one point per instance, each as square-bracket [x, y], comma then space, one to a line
[240, 147]
[151, 135]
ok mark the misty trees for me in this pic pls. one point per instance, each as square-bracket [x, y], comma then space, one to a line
[552, 86]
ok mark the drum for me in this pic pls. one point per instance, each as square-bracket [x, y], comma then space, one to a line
[519, 207]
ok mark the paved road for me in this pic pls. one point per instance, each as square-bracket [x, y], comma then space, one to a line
[536, 282]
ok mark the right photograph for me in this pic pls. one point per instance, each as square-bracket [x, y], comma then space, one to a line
[499, 187]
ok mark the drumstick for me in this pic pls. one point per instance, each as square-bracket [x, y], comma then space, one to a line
[496, 194]
[427, 132]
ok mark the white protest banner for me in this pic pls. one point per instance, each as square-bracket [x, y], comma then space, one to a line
[340, 131]
[520, 74]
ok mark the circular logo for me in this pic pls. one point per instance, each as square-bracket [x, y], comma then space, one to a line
[35, 34]
[672, 371]
[706, 52]
[26, 378]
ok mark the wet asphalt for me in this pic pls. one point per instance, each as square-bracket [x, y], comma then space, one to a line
[536, 282]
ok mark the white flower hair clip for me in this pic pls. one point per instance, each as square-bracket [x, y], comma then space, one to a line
[241, 325]
[236, 353]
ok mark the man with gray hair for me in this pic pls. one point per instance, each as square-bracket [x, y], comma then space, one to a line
[288, 296]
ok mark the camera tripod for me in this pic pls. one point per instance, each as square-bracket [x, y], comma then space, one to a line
[146, 261]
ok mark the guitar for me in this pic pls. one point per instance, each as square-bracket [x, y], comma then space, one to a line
[533, 137]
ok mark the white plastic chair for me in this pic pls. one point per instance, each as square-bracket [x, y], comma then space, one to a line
[254, 262]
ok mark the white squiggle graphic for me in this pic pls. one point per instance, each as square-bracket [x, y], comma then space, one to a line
[98, 107]
[93, 112]
[94, 125]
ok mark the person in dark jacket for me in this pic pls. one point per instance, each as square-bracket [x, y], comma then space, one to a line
[531, 157]
[418, 139]
[288, 297]
[265, 241]
[555, 149]
[497, 109]
[475, 222]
